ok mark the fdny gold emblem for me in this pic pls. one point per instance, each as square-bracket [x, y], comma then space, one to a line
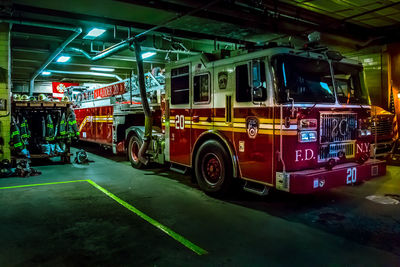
[61, 88]
[252, 127]
[222, 80]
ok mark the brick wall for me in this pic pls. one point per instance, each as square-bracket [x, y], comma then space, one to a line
[5, 75]
[394, 73]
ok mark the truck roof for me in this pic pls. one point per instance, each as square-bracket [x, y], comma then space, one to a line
[235, 56]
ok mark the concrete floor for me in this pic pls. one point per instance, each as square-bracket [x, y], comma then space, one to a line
[75, 223]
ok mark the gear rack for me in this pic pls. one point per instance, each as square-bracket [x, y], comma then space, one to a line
[35, 113]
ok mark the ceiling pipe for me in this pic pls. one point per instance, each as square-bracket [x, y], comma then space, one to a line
[123, 47]
[275, 14]
[76, 32]
[128, 42]
[370, 11]
[104, 54]
[87, 73]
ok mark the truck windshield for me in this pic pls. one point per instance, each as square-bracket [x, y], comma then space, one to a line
[350, 86]
[303, 79]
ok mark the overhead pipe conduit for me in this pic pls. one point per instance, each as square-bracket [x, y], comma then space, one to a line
[127, 43]
[109, 52]
[87, 73]
[76, 32]
[105, 53]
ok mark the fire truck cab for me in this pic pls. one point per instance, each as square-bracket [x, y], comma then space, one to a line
[295, 120]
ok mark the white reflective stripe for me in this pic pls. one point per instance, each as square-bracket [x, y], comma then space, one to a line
[221, 123]
[278, 127]
[328, 105]
[202, 123]
[240, 125]
[58, 95]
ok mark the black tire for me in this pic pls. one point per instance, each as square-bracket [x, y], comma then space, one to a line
[133, 149]
[213, 168]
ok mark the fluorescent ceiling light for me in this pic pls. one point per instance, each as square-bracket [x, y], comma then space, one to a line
[93, 33]
[148, 54]
[46, 73]
[63, 59]
[102, 69]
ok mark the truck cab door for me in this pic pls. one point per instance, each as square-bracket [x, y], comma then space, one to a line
[253, 122]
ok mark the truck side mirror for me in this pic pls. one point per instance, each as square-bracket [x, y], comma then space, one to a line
[259, 93]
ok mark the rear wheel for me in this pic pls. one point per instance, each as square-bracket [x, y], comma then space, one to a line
[133, 151]
[213, 168]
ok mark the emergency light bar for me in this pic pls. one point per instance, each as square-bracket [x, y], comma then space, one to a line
[148, 54]
[93, 33]
[102, 69]
[63, 59]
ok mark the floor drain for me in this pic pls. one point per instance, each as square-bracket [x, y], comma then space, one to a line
[387, 199]
[394, 196]
[329, 218]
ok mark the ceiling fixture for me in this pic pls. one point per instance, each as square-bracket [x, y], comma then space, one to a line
[93, 33]
[63, 59]
[148, 54]
[102, 69]
[46, 73]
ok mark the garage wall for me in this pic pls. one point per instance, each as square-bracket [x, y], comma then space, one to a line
[375, 62]
[46, 87]
[40, 87]
[394, 72]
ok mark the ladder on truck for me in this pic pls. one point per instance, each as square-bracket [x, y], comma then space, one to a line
[129, 99]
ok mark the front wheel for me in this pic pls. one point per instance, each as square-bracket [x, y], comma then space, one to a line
[213, 168]
[133, 151]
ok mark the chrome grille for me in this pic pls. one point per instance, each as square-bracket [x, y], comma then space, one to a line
[338, 127]
[383, 127]
[331, 151]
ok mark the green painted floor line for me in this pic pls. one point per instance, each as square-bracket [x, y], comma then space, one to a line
[150, 220]
[142, 215]
[30, 185]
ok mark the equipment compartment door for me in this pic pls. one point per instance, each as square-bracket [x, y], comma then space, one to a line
[180, 115]
[202, 106]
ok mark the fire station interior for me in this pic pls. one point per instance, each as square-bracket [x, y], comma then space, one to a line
[100, 165]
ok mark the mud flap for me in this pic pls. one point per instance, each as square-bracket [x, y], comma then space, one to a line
[282, 181]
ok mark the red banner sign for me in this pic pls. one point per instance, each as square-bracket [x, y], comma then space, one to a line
[59, 88]
[110, 90]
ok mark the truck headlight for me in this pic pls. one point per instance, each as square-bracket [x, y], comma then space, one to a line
[307, 136]
[308, 124]
[364, 133]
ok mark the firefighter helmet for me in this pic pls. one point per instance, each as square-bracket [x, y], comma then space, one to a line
[24, 98]
[17, 97]
[42, 97]
[81, 157]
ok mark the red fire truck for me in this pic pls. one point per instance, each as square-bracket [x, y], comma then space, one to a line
[103, 114]
[297, 120]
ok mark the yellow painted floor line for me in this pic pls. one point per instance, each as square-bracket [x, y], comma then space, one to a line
[142, 215]
[150, 220]
[30, 185]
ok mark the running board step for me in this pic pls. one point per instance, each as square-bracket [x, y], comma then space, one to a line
[256, 188]
[178, 168]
